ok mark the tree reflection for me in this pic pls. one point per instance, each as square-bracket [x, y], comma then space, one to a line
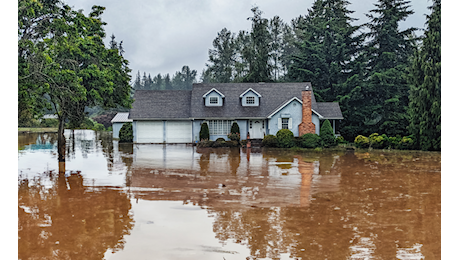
[59, 218]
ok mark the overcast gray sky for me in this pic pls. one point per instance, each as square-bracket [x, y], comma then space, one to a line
[163, 35]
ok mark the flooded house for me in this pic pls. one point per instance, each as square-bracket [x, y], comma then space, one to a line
[259, 109]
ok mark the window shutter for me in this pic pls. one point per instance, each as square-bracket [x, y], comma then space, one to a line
[279, 123]
[290, 123]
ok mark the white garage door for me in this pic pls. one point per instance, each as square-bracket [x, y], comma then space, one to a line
[179, 131]
[149, 131]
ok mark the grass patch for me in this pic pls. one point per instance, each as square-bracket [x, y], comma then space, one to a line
[37, 129]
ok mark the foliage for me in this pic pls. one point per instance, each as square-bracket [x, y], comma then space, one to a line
[326, 133]
[220, 142]
[378, 141]
[310, 140]
[285, 138]
[425, 86]
[235, 128]
[222, 57]
[361, 141]
[204, 131]
[270, 141]
[341, 140]
[49, 122]
[126, 133]
[406, 143]
[64, 63]
[234, 136]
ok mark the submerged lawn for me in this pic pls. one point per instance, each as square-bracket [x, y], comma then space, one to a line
[38, 129]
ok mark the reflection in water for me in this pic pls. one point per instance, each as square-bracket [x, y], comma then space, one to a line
[229, 203]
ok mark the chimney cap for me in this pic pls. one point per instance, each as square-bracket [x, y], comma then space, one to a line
[307, 87]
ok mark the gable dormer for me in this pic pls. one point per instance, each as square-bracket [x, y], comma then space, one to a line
[213, 98]
[250, 98]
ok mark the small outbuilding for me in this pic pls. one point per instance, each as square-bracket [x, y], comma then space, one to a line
[117, 122]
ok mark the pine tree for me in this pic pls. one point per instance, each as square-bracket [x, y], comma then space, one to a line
[257, 54]
[327, 46]
[137, 82]
[425, 88]
[222, 57]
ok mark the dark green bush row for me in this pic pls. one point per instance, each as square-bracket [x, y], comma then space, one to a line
[384, 142]
[220, 142]
[285, 138]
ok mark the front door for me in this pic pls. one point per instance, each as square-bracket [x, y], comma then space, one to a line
[256, 129]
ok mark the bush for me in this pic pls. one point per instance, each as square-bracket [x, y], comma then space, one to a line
[231, 143]
[285, 138]
[393, 142]
[361, 141]
[126, 133]
[98, 127]
[406, 143]
[379, 142]
[235, 128]
[270, 141]
[205, 143]
[220, 142]
[49, 122]
[327, 134]
[204, 131]
[310, 140]
[234, 136]
[341, 140]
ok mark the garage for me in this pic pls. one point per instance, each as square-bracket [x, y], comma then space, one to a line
[178, 131]
[149, 132]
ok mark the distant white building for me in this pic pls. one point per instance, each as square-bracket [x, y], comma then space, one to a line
[117, 122]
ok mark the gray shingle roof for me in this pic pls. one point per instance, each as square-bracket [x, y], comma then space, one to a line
[121, 117]
[161, 104]
[273, 95]
[181, 104]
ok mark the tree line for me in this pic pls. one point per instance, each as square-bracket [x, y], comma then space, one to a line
[181, 80]
[386, 80]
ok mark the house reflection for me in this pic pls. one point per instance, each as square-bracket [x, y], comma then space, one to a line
[233, 176]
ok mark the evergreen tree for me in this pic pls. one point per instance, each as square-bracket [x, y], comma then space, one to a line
[257, 54]
[327, 48]
[327, 134]
[222, 57]
[137, 82]
[167, 82]
[425, 85]
[158, 82]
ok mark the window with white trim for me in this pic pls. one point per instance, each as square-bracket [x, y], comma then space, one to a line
[213, 100]
[250, 100]
[285, 123]
[219, 127]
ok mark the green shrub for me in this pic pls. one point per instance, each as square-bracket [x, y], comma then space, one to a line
[406, 143]
[204, 131]
[327, 134]
[310, 141]
[126, 133]
[270, 141]
[393, 141]
[234, 136]
[49, 122]
[109, 128]
[361, 141]
[220, 142]
[205, 143]
[235, 128]
[98, 127]
[378, 141]
[341, 140]
[285, 138]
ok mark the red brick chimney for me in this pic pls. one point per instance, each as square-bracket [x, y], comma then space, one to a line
[307, 125]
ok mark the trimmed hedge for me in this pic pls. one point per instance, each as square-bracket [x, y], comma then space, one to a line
[270, 141]
[383, 142]
[204, 131]
[310, 141]
[326, 133]
[285, 138]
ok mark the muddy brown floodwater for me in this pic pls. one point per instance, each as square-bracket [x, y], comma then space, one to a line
[125, 201]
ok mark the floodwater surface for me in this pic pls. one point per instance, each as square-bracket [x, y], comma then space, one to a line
[146, 201]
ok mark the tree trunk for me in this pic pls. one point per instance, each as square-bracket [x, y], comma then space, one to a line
[61, 141]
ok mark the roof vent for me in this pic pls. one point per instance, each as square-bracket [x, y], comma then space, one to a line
[307, 87]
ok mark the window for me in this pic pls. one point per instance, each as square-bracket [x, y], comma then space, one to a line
[250, 100]
[219, 127]
[285, 123]
[213, 100]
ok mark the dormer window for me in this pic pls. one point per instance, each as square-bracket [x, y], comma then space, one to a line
[250, 98]
[213, 98]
